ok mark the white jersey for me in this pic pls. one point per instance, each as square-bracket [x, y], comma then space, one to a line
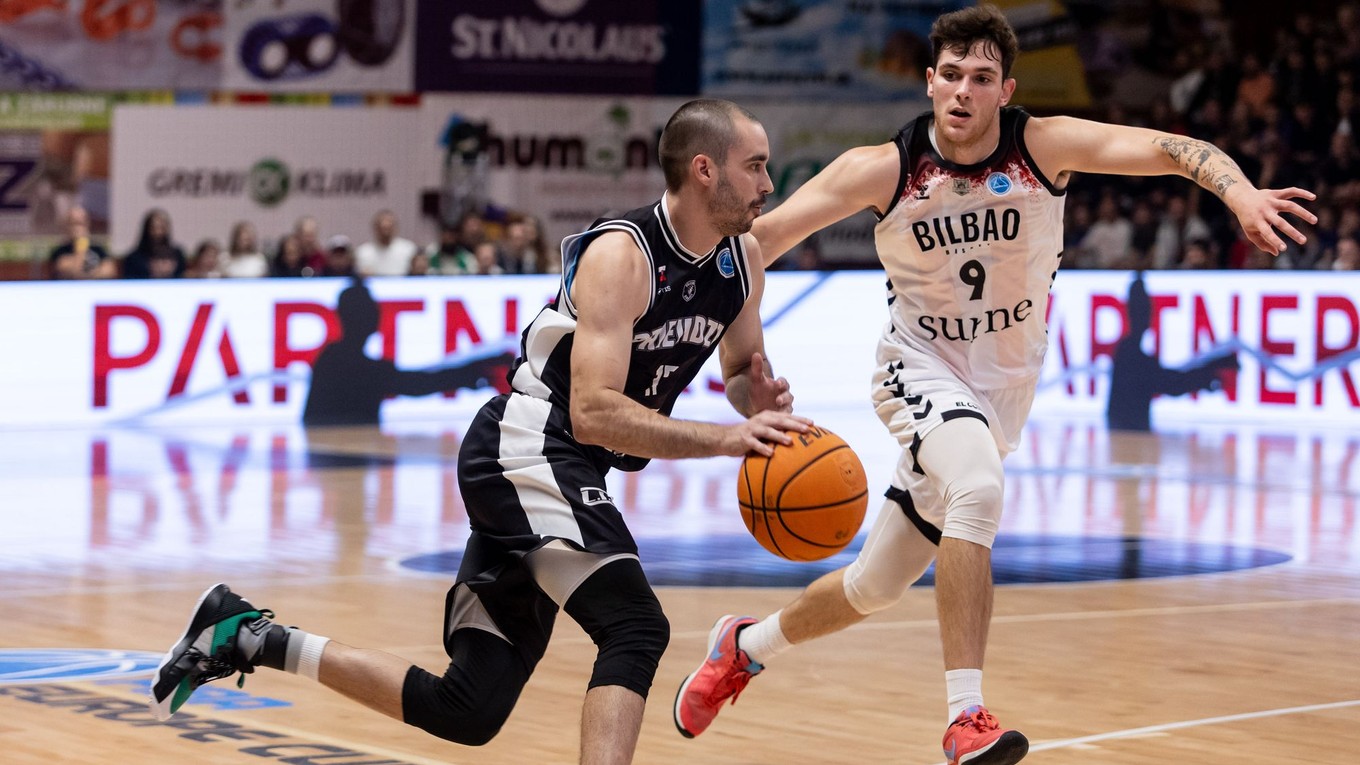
[970, 252]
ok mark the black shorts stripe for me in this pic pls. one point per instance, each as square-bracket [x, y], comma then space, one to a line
[954, 414]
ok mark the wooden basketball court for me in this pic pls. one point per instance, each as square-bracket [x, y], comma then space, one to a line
[1229, 631]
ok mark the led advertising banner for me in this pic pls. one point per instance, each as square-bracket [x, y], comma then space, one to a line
[211, 166]
[642, 47]
[195, 351]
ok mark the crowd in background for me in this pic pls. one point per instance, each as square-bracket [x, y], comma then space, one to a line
[514, 245]
[1289, 115]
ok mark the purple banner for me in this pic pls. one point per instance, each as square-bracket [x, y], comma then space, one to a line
[642, 47]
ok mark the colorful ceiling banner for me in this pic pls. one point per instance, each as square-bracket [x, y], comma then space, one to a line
[319, 45]
[819, 49]
[91, 45]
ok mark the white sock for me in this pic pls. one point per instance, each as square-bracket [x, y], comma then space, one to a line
[763, 640]
[965, 690]
[304, 653]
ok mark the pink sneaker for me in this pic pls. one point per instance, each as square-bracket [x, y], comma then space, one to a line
[975, 738]
[723, 675]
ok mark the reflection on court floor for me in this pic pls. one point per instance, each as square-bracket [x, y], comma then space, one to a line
[1081, 503]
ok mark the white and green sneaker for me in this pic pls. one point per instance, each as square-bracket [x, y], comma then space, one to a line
[208, 651]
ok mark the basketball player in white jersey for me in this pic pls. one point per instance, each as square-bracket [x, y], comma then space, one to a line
[970, 202]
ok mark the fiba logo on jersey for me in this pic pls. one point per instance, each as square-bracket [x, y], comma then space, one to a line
[726, 266]
[560, 7]
[999, 184]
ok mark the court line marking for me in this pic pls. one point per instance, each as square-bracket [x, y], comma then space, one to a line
[1153, 729]
[250, 721]
[1025, 618]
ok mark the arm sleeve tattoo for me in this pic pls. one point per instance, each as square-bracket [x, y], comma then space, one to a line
[1203, 162]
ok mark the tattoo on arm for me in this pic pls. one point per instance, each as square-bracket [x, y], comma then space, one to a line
[1203, 162]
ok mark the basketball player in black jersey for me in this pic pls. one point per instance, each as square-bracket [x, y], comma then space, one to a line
[969, 201]
[645, 298]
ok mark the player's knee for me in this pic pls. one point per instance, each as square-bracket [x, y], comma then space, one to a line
[470, 702]
[869, 596]
[973, 506]
[630, 648]
[456, 707]
[619, 611]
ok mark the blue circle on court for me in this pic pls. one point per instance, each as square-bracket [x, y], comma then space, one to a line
[25, 666]
[738, 561]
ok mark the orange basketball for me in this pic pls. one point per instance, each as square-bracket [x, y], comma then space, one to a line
[807, 500]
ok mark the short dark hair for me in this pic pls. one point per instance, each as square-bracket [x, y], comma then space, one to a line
[702, 126]
[959, 31]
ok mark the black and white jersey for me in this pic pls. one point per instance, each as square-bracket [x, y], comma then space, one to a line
[970, 252]
[694, 298]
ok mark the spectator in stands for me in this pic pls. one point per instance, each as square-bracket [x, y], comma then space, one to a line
[1347, 255]
[1304, 135]
[206, 262]
[1077, 221]
[1221, 82]
[448, 257]
[1178, 226]
[288, 260]
[1349, 225]
[1188, 66]
[810, 256]
[524, 249]
[244, 259]
[487, 260]
[1348, 116]
[1256, 88]
[1342, 168]
[388, 254]
[1294, 76]
[1241, 254]
[308, 235]
[1325, 230]
[156, 256]
[420, 265]
[1145, 226]
[1198, 255]
[339, 257]
[1110, 238]
[79, 257]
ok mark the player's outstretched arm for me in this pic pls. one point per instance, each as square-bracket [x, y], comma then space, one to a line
[1063, 145]
[863, 178]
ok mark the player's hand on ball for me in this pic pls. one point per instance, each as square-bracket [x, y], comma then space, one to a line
[761, 431]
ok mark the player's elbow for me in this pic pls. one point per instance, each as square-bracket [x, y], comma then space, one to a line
[589, 422]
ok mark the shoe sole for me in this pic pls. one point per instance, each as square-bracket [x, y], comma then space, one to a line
[161, 708]
[713, 636]
[1009, 749]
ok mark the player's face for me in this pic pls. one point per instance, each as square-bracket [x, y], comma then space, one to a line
[743, 180]
[968, 94]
